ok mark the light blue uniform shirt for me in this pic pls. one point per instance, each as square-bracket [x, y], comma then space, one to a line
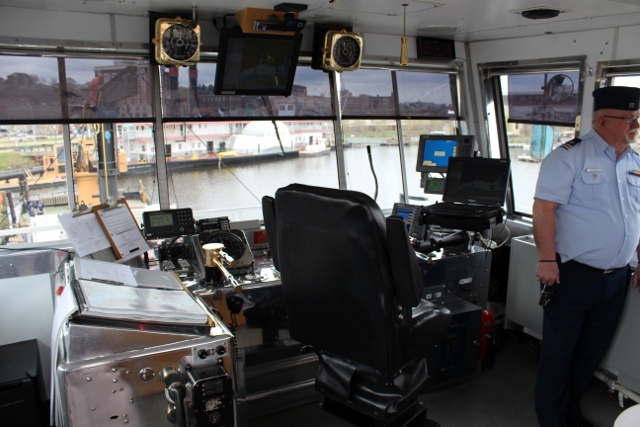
[598, 217]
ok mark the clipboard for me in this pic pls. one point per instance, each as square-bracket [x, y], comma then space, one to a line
[105, 227]
[121, 229]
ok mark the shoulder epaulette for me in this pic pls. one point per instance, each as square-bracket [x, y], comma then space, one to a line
[571, 143]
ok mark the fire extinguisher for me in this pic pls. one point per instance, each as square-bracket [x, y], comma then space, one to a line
[487, 322]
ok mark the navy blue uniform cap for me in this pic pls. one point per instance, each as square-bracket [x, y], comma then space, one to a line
[616, 98]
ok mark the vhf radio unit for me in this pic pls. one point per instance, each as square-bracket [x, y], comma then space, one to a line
[168, 223]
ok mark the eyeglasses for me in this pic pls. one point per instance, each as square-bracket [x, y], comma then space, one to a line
[628, 119]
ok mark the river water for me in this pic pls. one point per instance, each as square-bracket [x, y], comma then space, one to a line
[245, 185]
[241, 186]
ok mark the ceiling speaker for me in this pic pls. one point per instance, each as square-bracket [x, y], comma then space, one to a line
[541, 13]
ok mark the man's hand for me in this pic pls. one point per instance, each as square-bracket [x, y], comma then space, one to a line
[548, 273]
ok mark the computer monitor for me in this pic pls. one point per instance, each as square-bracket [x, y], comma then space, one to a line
[477, 181]
[256, 64]
[411, 217]
[434, 151]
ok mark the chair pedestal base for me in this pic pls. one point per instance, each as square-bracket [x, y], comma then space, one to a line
[414, 415]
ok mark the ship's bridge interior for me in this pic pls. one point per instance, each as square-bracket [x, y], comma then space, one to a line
[228, 213]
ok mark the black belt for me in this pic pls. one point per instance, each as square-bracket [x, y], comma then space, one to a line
[597, 270]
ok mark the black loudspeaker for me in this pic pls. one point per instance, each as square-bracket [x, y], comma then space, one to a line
[20, 385]
[319, 32]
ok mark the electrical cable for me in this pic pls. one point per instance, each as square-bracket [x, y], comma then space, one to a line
[487, 242]
[173, 187]
[267, 105]
[221, 163]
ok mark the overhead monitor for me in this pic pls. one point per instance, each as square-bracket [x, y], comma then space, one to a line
[256, 64]
[434, 151]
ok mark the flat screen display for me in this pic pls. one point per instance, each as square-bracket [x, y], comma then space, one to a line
[434, 185]
[160, 219]
[434, 151]
[477, 181]
[256, 64]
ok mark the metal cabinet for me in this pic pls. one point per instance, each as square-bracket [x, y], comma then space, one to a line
[523, 291]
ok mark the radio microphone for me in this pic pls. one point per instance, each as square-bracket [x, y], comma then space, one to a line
[373, 172]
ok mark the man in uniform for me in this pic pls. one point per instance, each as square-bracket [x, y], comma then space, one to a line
[586, 225]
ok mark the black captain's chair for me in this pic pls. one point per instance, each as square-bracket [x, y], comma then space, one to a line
[352, 290]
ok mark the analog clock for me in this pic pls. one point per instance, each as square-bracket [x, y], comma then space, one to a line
[342, 51]
[177, 41]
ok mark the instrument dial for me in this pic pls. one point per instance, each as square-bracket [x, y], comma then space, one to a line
[233, 245]
[176, 41]
[180, 42]
[342, 51]
[346, 51]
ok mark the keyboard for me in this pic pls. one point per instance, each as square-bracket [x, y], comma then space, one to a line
[457, 210]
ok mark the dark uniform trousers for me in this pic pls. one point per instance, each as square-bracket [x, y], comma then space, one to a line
[578, 327]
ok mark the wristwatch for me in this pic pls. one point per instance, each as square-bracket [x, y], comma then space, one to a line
[177, 41]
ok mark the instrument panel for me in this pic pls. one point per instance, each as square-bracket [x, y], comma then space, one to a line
[235, 245]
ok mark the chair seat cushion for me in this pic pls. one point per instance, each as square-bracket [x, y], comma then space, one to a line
[367, 390]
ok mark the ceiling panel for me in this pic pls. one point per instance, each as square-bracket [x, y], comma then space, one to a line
[464, 20]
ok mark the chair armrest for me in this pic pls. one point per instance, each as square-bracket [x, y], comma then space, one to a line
[430, 324]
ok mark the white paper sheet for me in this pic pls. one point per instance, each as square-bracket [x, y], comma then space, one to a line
[124, 232]
[85, 233]
[90, 269]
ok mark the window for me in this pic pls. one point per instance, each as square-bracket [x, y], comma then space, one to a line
[129, 172]
[371, 111]
[106, 88]
[621, 73]
[189, 94]
[234, 166]
[536, 106]
[222, 154]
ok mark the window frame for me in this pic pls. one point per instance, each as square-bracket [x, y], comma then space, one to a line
[494, 109]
